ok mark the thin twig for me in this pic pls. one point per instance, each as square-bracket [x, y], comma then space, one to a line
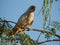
[8, 21]
[38, 37]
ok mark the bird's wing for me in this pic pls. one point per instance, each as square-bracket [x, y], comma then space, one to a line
[22, 19]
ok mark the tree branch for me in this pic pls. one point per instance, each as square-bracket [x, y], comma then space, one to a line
[49, 41]
[53, 40]
[30, 29]
[43, 31]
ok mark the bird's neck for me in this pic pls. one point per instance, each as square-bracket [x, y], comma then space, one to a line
[32, 13]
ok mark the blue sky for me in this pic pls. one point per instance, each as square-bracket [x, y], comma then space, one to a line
[13, 9]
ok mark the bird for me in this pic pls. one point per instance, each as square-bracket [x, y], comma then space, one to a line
[25, 20]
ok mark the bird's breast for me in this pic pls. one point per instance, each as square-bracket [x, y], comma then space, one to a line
[31, 17]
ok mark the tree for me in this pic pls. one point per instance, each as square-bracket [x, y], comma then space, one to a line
[24, 39]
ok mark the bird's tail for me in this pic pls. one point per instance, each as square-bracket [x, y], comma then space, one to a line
[15, 30]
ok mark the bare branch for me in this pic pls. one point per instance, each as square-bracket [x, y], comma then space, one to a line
[43, 31]
[49, 41]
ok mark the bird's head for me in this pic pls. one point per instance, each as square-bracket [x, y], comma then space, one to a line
[31, 8]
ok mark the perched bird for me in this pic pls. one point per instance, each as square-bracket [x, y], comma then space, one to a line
[26, 19]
